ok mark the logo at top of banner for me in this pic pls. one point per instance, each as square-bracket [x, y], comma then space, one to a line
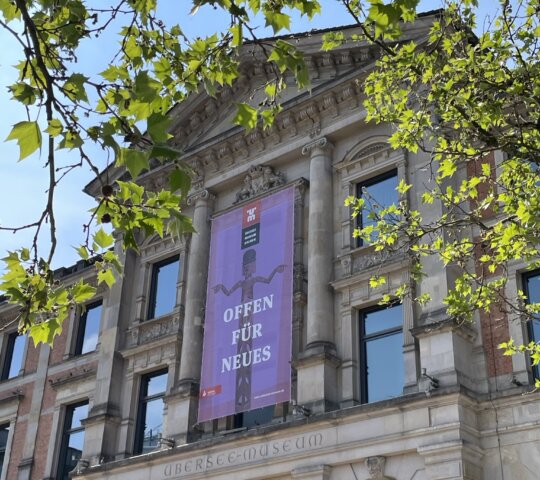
[251, 226]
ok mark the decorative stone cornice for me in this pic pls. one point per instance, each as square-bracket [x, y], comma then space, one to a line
[319, 144]
[259, 179]
[304, 117]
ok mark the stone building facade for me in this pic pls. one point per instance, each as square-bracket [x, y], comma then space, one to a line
[402, 393]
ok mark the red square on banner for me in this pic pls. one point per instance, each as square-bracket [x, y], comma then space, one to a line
[210, 391]
[251, 214]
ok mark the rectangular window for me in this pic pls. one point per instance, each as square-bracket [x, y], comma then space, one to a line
[381, 353]
[532, 292]
[13, 355]
[4, 434]
[163, 287]
[254, 418]
[378, 193]
[88, 329]
[150, 414]
[72, 439]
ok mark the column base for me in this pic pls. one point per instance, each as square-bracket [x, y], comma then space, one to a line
[101, 428]
[182, 408]
[317, 378]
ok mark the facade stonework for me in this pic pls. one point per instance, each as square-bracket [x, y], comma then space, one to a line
[457, 408]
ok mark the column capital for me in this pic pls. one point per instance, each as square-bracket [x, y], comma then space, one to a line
[321, 144]
[203, 194]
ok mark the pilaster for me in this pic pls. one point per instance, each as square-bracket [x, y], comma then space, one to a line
[101, 426]
[454, 460]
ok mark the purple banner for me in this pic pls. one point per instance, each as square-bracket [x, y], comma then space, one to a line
[248, 321]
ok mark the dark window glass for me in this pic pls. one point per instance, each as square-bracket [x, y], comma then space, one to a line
[253, 418]
[532, 291]
[87, 335]
[4, 433]
[150, 415]
[379, 192]
[14, 355]
[72, 439]
[381, 352]
[163, 287]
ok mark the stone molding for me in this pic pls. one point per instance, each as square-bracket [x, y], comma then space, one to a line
[73, 376]
[448, 325]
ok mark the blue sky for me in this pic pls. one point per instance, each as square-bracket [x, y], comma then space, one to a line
[23, 184]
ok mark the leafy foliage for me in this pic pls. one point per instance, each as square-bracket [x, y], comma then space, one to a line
[123, 111]
[490, 204]
[472, 104]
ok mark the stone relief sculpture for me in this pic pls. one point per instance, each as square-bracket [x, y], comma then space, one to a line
[375, 467]
[259, 179]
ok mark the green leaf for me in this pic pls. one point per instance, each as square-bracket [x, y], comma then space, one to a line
[45, 332]
[55, 127]
[9, 10]
[74, 87]
[82, 291]
[28, 137]
[134, 160]
[164, 151]
[83, 252]
[103, 239]
[106, 276]
[246, 116]
[179, 180]
[278, 21]
[158, 126]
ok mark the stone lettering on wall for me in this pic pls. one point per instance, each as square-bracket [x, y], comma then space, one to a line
[244, 455]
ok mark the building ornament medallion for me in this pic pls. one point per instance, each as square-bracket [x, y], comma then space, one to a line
[259, 179]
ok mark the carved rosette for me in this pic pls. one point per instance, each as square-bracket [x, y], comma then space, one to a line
[259, 179]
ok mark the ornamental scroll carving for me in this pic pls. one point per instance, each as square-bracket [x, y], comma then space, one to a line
[363, 261]
[259, 179]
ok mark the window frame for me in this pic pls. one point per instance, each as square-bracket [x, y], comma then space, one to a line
[64, 438]
[7, 357]
[5, 448]
[81, 328]
[535, 369]
[364, 339]
[152, 294]
[366, 183]
[142, 401]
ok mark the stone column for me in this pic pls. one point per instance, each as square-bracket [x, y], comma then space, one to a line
[183, 402]
[316, 365]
